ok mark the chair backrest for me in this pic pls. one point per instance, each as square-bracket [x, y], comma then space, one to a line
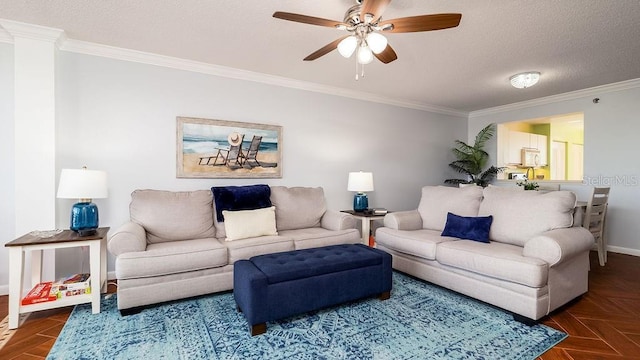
[253, 148]
[596, 210]
[235, 151]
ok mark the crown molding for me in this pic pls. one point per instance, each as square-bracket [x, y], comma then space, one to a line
[16, 29]
[597, 90]
[88, 48]
[5, 37]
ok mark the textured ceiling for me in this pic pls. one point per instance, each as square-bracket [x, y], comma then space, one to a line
[575, 44]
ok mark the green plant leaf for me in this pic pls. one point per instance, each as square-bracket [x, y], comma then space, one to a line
[484, 135]
[471, 160]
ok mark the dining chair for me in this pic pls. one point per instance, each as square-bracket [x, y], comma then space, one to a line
[594, 220]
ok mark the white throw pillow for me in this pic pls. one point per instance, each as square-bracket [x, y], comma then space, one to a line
[244, 224]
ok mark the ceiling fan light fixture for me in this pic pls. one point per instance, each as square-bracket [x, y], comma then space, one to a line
[347, 46]
[365, 56]
[377, 42]
[525, 79]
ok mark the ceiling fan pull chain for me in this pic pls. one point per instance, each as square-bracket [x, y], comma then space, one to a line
[357, 77]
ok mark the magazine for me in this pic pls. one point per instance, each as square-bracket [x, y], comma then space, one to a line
[40, 293]
[77, 284]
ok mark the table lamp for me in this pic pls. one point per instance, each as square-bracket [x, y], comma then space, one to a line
[360, 182]
[84, 185]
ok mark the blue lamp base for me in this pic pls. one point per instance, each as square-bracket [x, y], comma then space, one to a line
[360, 202]
[84, 218]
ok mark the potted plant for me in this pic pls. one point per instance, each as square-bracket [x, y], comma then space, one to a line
[472, 159]
[528, 185]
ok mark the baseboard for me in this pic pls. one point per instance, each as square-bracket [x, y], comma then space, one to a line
[622, 250]
[111, 275]
[4, 289]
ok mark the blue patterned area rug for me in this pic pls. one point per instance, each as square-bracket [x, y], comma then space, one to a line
[419, 321]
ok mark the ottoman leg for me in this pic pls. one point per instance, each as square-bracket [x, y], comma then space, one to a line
[258, 329]
[385, 295]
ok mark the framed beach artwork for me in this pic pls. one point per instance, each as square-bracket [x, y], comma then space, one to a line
[227, 149]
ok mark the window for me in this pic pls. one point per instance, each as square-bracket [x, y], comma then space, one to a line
[550, 148]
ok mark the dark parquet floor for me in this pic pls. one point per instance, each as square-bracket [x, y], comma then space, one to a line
[602, 324]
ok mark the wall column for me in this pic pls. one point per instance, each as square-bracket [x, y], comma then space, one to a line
[34, 130]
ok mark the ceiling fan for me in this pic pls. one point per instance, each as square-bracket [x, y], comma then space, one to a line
[365, 26]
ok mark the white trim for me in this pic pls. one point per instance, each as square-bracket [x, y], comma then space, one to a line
[622, 250]
[597, 90]
[5, 37]
[87, 48]
[4, 289]
[34, 32]
[111, 275]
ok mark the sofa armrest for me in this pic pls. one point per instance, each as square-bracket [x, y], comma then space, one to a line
[130, 237]
[557, 245]
[403, 220]
[336, 220]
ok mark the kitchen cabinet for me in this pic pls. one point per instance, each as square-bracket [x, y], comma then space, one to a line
[541, 144]
[519, 140]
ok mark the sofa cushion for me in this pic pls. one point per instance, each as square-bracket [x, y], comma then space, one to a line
[173, 215]
[240, 198]
[520, 215]
[468, 227]
[246, 248]
[171, 258]
[318, 237]
[298, 207]
[496, 260]
[244, 224]
[437, 201]
[421, 243]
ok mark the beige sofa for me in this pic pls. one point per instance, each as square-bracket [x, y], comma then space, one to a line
[535, 262]
[173, 247]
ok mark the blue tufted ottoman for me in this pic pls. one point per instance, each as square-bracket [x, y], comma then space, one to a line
[275, 286]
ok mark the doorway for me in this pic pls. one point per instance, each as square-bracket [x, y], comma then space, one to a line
[559, 160]
[576, 160]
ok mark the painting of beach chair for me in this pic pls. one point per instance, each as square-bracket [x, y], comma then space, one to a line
[231, 157]
[250, 159]
[216, 149]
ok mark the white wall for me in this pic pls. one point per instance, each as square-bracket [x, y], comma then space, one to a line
[120, 117]
[7, 164]
[611, 129]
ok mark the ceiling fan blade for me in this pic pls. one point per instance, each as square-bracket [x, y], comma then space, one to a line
[423, 23]
[387, 55]
[325, 49]
[306, 19]
[373, 7]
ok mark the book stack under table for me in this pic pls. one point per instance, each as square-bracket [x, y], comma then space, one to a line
[78, 284]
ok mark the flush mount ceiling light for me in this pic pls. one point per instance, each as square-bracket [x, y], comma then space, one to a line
[525, 79]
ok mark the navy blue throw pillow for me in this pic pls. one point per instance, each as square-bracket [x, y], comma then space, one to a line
[470, 228]
[248, 197]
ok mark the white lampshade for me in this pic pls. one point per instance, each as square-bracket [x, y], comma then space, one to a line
[360, 181]
[365, 56]
[377, 42]
[82, 184]
[525, 80]
[347, 46]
